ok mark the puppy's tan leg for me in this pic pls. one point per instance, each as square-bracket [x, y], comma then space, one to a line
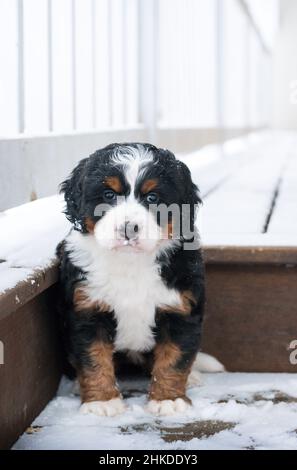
[99, 392]
[167, 393]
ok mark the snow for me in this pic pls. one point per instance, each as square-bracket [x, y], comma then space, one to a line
[256, 411]
[213, 165]
[283, 221]
[29, 235]
[244, 200]
[238, 192]
[256, 240]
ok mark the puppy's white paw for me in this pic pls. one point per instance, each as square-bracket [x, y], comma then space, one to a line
[112, 407]
[167, 407]
[194, 379]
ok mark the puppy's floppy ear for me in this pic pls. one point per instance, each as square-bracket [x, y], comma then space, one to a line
[189, 196]
[72, 188]
[189, 190]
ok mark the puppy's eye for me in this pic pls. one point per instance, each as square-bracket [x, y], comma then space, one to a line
[152, 198]
[109, 195]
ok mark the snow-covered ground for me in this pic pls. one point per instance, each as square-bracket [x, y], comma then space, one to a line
[230, 411]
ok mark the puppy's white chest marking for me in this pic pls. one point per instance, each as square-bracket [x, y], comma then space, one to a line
[131, 284]
[134, 297]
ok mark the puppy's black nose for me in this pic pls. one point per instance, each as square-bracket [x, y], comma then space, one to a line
[129, 230]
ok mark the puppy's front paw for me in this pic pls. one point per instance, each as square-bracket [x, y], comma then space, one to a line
[112, 407]
[167, 407]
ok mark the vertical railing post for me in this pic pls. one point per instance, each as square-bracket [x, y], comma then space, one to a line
[50, 65]
[124, 61]
[21, 91]
[220, 64]
[148, 66]
[73, 27]
[109, 65]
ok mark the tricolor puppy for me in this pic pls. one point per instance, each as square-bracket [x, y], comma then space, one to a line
[131, 276]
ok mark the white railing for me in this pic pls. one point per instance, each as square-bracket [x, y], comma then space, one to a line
[77, 65]
[84, 72]
[68, 65]
[215, 64]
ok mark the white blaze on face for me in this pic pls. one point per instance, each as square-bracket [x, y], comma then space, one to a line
[131, 173]
[129, 210]
[134, 161]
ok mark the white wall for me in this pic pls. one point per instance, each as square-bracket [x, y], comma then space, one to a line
[285, 68]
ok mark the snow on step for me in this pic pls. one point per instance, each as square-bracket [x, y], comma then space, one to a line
[284, 218]
[242, 204]
[250, 239]
[261, 409]
[212, 165]
[29, 235]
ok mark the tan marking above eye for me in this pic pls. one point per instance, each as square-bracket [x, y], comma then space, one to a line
[149, 185]
[114, 183]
